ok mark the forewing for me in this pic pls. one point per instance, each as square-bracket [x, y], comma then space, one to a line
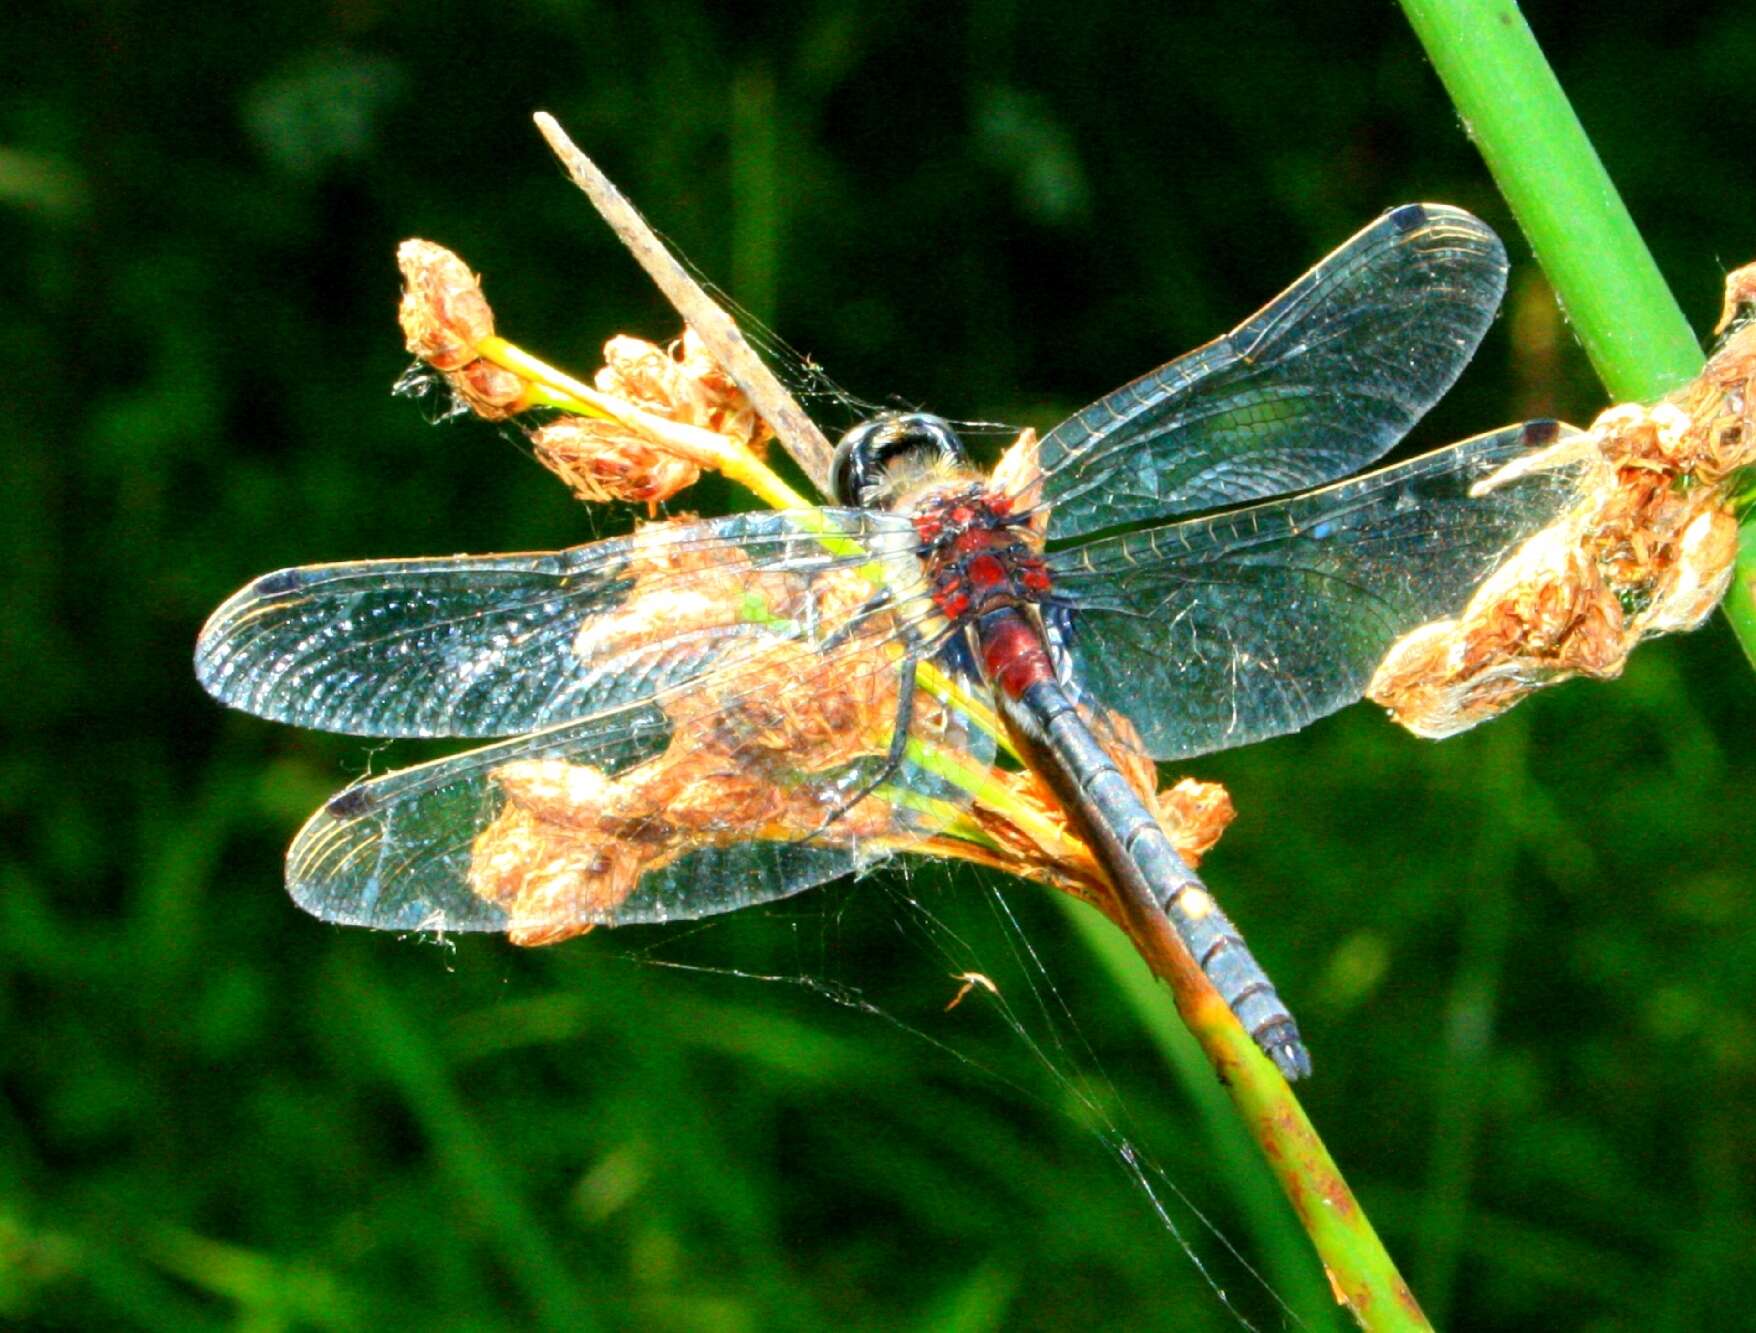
[757, 785]
[500, 644]
[1316, 385]
[1225, 630]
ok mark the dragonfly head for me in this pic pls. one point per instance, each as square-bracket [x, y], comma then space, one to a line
[881, 460]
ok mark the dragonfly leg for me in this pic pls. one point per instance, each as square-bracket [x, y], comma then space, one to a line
[871, 606]
[904, 719]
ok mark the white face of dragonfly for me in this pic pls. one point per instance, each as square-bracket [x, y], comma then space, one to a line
[884, 462]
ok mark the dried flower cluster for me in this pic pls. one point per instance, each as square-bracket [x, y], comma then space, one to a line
[445, 318]
[754, 751]
[1646, 549]
[606, 460]
[760, 750]
[447, 322]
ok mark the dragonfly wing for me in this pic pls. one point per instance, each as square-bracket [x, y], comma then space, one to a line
[1224, 630]
[501, 644]
[1313, 387]
[756, 785]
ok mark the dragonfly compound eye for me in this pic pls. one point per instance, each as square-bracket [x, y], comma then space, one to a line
[874, 460]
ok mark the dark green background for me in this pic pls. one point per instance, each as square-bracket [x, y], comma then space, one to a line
[1523, 958]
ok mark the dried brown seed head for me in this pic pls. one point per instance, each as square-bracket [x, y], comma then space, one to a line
[682, 383]
[603, 461]
[444, 314]
[1647, 548]
[751, 746]
[445, 318]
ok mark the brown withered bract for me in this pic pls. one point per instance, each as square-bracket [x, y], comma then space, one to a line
[444, 314]
[605, 460]
[1019, 474]
[1646, 549]
[445, 317]
[570, 842]
[684, 383]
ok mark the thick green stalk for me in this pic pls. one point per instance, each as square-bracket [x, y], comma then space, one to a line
[1617, 301]
[1513, 107]
[1740, 602]
[1285, 1250]
[1362, 1275]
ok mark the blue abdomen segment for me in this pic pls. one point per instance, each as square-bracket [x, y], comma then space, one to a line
[1127, 839]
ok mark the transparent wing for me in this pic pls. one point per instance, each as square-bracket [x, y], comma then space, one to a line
[1317, 384]
[500, 644]
[757, 784]
[1219, 631]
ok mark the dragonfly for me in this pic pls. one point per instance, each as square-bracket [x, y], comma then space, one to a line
[709, 714]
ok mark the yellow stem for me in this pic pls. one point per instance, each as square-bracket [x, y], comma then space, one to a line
[705, 448]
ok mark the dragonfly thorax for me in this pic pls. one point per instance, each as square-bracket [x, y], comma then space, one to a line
[881, 461]
[978, 554]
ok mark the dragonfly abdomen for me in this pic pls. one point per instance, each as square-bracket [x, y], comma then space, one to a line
[1125, 836]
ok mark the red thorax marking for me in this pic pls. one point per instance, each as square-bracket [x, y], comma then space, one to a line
[977, 554]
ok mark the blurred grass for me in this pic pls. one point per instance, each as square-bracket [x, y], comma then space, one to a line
[1523, 958]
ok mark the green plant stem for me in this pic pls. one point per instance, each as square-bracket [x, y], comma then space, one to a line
[1362, 1276]
[1740, 602]
[1513, 107]
[1285, 1250]
[1617, 301]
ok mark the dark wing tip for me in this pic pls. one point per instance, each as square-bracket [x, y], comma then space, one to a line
[1542, 432]
[279, 583]
[350, 804]
[1408, 217]
[1448, 223]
